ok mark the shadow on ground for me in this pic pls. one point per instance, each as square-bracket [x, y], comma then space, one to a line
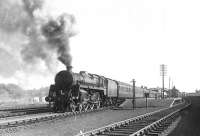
[190, 122]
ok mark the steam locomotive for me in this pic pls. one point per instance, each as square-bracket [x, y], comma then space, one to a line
[83, 91]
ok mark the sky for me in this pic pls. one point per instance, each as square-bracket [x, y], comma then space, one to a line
[126, 40]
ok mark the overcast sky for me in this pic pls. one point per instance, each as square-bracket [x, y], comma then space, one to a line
[126, 39]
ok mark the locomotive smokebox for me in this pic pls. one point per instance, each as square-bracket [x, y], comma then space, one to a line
[69, 68]
[63, 80]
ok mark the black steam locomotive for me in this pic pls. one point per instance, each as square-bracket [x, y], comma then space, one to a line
[83, 91]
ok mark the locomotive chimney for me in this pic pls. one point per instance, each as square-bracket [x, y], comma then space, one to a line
[69, 68]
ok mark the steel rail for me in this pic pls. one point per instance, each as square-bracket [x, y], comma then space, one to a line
[150, 129]
[31, 106]
[111, 127]
[14, 122]
[23, 111]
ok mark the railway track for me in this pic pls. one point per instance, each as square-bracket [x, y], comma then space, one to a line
[44, 108]
[23, 111]
[21, 107]
[150, 124]
[16, 121]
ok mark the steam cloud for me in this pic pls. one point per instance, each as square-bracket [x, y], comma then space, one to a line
[57, 33]
[44, 35]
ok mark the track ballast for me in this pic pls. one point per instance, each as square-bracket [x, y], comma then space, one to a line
[150, 124]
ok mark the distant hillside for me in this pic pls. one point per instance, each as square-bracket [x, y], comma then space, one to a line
[38, 92]
[13, 91]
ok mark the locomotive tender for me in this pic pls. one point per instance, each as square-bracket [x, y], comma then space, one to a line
[83, 91]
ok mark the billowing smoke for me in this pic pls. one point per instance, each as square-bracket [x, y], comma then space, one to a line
[30, 6]
[58, 33]
[29, 33]
[43, 35]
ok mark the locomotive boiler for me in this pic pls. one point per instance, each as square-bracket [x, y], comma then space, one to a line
[82, 91]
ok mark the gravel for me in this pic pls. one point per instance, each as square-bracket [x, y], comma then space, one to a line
[151, 102]
[73, 125]
[190, 121]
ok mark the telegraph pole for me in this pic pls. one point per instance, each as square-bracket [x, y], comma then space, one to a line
[133, 101]
[163, 72]
[169, 92]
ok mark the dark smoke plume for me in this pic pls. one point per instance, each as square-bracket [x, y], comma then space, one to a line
[58, 33]
[44, 36]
